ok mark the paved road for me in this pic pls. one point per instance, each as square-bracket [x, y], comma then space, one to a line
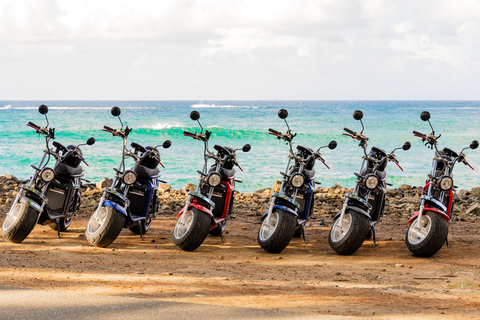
[17, 303]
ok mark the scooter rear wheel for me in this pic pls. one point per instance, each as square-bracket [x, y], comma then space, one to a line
[347, 235]
[144, 225]
[104, 226]
[191, 229]
[429, 238]
[64, 224]
[19, 222]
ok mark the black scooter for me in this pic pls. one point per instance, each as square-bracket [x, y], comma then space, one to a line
[52, 195]
[363, 208]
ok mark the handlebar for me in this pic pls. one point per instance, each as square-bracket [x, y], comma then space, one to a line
[275, 132]
[350, 131]
[108, 128]
[33, 125]
[419, 134]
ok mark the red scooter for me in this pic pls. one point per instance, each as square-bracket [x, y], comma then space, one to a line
[428, 228]
[208, 207]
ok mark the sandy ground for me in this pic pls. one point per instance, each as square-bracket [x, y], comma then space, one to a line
[378, 282]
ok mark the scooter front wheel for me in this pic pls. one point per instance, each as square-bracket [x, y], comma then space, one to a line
[428, 238]
[191, 229]
[347, 234]
[276, 231]
[19, 222]
[104, 226]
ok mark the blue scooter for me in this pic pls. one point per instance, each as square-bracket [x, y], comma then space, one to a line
[131, 201]
[292, 207]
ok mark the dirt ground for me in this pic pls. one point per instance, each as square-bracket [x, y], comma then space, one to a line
[378, 282]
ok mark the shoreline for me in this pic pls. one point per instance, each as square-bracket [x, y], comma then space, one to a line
[400, 202]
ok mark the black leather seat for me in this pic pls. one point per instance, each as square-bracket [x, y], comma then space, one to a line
[67, 171]
[145, 173]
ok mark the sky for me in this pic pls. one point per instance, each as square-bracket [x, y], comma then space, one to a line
[239, 50]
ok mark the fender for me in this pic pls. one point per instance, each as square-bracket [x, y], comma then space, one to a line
[356, 209]
[116, 206]
[197, 206]
[284, 208]
[31, 203]
[441, 213]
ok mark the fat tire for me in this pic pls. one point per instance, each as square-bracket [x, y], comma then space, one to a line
[196, 233]
[282, 235]
[24, 224]
[435, 238]
[108, 231]
[354, 237]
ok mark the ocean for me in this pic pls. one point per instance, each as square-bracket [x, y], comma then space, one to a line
[388, 124]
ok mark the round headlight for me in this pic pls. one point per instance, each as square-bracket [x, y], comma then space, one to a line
[47, 174]
[297, 180]
[129, 177]
[214, 179]
[371, 182]
[446, 183]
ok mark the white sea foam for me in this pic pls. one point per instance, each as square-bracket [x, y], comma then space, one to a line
[203, 105]
[8, 106]
[81, 108]
[160, 126]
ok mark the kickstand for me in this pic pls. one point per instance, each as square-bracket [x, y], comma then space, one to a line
[57, 221]
[303, 234]
[140, 228]
[221, 236]
[446, 240]
[374, 238]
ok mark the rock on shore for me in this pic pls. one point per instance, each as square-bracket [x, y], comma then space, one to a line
[401, 202]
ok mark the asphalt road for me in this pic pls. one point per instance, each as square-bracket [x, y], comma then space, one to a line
[17, 303]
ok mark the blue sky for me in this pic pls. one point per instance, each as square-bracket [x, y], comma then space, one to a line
[239, 50]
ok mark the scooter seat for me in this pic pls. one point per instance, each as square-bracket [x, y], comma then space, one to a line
[68, 171]
[145, 173]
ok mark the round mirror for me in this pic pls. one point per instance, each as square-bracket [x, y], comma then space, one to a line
[358, 115]
[43, 109]
[406, 145]
[195, 115]
[116, 111]
[425, 116]
[166, 144]
[246, 148]
[282, 114]
[91, 141]
[332, 145]
[474, 144]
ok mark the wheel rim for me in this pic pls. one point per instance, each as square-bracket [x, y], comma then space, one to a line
[268, 226]
[341, 227]
[68, 220]
[416, 234]
[13, 215]
[148, 221]
[183, 224]
[98, 220]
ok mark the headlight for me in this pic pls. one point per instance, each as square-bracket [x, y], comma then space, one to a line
[129, 177]
[214, 179]
[297, 180]
[47, 174]
[371, 182]
[446, 183]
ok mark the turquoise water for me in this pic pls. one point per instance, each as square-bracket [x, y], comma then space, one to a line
[234, 123]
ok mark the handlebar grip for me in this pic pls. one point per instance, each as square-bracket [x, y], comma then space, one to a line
[186, 133]
[419, 133]
[31, 124]
[108, 128]
[350, 131]
[274, 131]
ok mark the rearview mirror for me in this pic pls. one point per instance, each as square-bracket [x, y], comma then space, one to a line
[195, 115]
[282, 114]
[332, 145]
[91, 141]
[43, 109]
[406, 145]
[474, 144]
[358, 115]
[246, 148]
[116, 111]
[166, 144]
[425, 116]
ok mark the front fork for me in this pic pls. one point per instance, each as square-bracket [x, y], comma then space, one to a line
[420, 214]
